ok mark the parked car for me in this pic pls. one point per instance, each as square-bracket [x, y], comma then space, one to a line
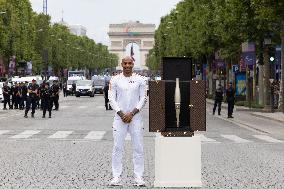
[99, 83]
[85, 88]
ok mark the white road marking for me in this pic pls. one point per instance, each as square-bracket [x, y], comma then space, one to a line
[128, 137]
[82, 107]
[267, 138]
[10, 115]
[26, 134]
[64, 107]
[235, 138]
[61, 134]
[4, 131]
[205, 139]
[95, 135]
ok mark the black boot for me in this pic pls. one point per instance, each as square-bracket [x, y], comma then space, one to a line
[25, 116]
[43, 116]
[33, 115]
[110, 108]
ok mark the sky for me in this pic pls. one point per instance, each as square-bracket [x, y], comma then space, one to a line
[96, 15]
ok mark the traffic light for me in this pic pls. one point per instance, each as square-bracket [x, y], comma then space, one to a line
[271, 53]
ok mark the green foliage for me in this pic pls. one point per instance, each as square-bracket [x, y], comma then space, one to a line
[27, 35]
[198, 29]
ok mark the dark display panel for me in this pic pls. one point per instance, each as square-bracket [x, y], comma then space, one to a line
[173, 68]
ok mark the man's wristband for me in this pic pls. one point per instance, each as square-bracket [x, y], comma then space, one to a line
[120, 113]
[135, 111]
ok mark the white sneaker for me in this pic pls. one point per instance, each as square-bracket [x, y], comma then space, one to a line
[115, 181]
[139, 181]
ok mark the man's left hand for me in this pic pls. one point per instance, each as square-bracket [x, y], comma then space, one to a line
[127, 118]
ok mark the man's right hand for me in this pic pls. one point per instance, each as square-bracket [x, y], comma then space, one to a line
[127, 118]
[124, 117]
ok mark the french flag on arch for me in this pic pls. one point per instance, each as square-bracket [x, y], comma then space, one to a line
[132, 52]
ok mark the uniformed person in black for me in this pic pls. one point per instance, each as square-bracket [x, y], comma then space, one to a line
[20, 95]
[218, 99]
[6, 94]
[65, 89]
[107, 105]
[24, 92]
[32, 98]
[15, 96]
[46, 100]
[55, 94]
[42, 86]
[73, 88]
[12, 94]
[230, 94]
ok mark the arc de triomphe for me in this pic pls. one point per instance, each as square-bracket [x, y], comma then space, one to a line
[121, 35]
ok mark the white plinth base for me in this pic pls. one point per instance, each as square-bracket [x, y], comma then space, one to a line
[177, 161]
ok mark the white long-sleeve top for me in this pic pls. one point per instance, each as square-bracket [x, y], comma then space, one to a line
[127, 93]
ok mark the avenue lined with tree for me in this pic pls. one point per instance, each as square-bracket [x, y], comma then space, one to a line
[30, 36]
[200, 29]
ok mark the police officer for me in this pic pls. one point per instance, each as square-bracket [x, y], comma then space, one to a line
[127, 94]
[31, 98]
[15, 96]
[65, 89]
[218, 99]
[6, 94]
[12, 94]
[73, 88]
[46, 100]
[24, 92]
[106, 88]
[55, 94]
[42, 86]
[230, 94]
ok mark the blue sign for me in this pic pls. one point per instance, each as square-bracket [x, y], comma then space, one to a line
[249, 58]
[235, 68]
[241, 84]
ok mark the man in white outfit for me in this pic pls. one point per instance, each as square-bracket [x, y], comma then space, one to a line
[127, 95]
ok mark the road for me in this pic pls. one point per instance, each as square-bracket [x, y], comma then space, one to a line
[73, 150]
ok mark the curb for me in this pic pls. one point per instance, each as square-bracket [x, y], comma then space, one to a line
[238, 108]
[266, 117]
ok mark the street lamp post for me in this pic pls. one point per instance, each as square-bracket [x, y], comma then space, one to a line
[267, 85]
[271, 95]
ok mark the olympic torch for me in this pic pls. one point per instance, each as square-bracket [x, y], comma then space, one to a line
[177, 101]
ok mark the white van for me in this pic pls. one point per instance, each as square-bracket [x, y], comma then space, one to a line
[72, 80]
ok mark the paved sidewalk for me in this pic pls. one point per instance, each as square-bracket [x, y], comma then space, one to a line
[276, 116]
[238, 108]
[264, 123]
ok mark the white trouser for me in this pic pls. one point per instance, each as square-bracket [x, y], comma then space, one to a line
[135, 129]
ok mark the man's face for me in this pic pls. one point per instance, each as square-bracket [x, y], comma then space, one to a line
[127, 65]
